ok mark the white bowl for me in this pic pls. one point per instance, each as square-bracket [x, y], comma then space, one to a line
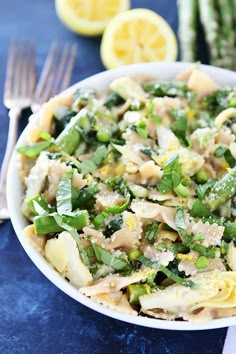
[101, 81]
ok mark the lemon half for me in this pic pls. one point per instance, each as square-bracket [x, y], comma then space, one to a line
[89, 17]
[135, 36]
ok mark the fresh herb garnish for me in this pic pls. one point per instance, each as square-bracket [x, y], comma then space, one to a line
[107, 258]
[150, 231]
[146, 261]
[64, 193]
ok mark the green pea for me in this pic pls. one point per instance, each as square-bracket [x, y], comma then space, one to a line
[186, 181]
[201, 177]
[134, 254]
[103, 136]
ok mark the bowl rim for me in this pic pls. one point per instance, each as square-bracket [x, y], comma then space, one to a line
[14, 193]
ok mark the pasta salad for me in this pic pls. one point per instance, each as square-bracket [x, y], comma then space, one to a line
[131, 194]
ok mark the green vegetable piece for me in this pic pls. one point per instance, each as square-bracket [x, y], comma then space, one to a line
[230, 159]
[141, 129]
[146, 261]
[223, 151]
[199, 210]
[151, 231]
[90, 165]
[230, 231]
[172, 173]
[224, 248]
[84, 95]
[45, 136]
[221, 191]
[138, 191]
[69, 139]
[181, 190]
[64, 193]
[103, 136]
[155, 117]
[232, 100]
[202, 262]
[136, 104]
[177, 247]
[198, 237]
[166, 88]
[34, 150]
[135, 291]
[201, 177]
[179, 218]
[186, 181]
[38, 200]
[220, 151]
[46, 224]
[84, 195]
[113, 100]
[114, 225]
[179, 127]
[107, 258]
[134, 254]
[202, 189]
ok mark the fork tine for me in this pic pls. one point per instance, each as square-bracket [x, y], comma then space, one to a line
[48, 66]
[20, 76]
[67, 74]
[56, 72]
[10, 72]
[65, 67]
[28, 75]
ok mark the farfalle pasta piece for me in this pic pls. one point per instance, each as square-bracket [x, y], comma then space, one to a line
[212, 232]
[112, 283]
[154, 211]
[115, 301]
[127, 237]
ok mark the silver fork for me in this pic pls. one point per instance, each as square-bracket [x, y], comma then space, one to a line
[56, 73]
[18, 91]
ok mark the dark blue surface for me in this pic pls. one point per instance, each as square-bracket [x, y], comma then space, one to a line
[36, 317]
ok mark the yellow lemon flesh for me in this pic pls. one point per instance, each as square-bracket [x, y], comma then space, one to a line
[136, 36]
[89, 17]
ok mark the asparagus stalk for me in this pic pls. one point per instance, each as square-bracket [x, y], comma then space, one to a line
[226, 11]
[187, 13]
[46, 224]
[221, 191]
[210, 22]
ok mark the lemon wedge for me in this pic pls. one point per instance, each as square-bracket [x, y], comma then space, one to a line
[135, 36]
[89, 17]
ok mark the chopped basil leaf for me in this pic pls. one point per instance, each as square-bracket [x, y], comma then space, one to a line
[64, 193]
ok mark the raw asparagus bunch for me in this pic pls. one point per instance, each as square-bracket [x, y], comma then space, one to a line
[210, 21]
[227, 48]
[187, 11]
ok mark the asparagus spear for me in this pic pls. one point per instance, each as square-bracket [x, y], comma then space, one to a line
[210, 22]
[187, 13]
[221, 191]
[226, 11]
[46, 224]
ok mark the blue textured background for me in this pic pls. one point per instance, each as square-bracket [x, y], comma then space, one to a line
[36, 317]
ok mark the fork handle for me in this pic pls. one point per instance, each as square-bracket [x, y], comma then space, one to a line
[14, 115]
